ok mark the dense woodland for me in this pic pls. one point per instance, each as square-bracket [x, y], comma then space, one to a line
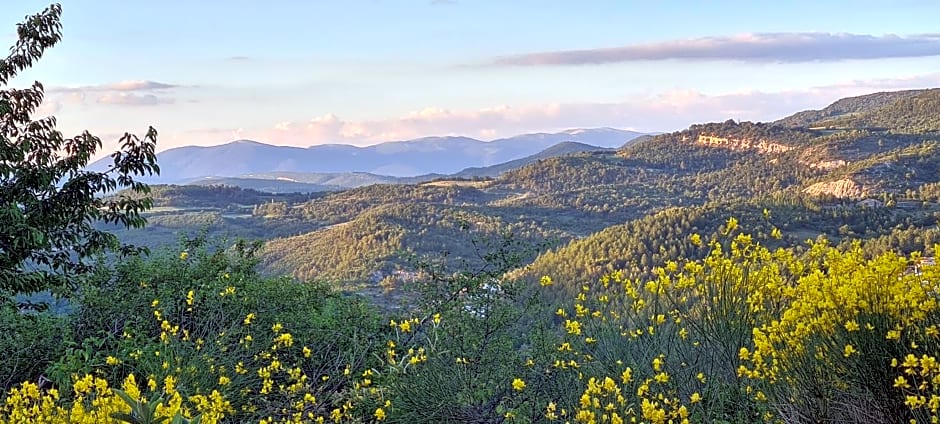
[597, 211]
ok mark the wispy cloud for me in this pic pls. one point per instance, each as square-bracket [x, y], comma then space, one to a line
[759, 47]
[123, 86]
[127, 93]
[131, 99]
[930, 80]
[48, 107]
[666, 111]
[138, 85]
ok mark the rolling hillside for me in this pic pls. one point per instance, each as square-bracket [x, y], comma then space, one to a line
[590, 211]
[846, 107]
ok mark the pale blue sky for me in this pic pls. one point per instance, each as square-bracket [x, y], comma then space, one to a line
[310, 72]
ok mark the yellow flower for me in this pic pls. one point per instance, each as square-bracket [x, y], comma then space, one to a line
[696, 397]
[518, 384]
[573, 327]
[284, 340]
[849, 350]
[307, 352]
[626, 376]
[184, 255]
[379, 414]
[248, 318]
[110, 360]
[437, 318]
[545, 281]
[731, 225]
[657, 363]
[223, 380]
[901, 382]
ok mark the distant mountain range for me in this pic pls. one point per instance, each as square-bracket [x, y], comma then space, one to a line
[401, 159]
[307, 182]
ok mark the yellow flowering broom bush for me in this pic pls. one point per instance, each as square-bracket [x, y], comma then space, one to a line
[477, 346]
[212, 338]
[748, 334]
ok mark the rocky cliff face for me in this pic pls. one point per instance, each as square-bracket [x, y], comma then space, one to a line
[826, 165]
[742, 144]
[845, 188]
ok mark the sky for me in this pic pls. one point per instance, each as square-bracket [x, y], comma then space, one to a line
[361, 72]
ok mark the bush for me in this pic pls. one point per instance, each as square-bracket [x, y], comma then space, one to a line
[748, 334]
[744, 335]
[29, 342]
[201, 317]
[477, 347]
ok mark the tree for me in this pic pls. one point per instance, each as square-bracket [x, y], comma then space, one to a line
[49, 203]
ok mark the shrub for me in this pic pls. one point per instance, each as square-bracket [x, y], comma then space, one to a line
[29, 342]
[201, 317]
[748, 334]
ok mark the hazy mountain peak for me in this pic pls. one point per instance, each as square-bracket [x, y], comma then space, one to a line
[406, 158]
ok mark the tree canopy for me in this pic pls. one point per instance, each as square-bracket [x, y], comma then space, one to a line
[49, 201]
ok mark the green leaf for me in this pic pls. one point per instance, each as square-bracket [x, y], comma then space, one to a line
[124, 417]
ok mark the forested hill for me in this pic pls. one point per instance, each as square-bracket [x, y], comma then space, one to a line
[918, 113]
[846, 107]
[875, 176]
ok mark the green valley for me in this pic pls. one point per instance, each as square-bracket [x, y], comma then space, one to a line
[594, 212]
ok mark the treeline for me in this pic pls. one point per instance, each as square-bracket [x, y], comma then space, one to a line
[911, 114]
[343, 206]
[846, 106]
[389, 238]
[637, 246]
[215, 196]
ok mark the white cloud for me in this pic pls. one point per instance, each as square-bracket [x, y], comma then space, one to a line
[131, 99]
[127, 93]
[760, 47]
[121, 86]
[48, 107]
[665, 111]
[138, 85]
